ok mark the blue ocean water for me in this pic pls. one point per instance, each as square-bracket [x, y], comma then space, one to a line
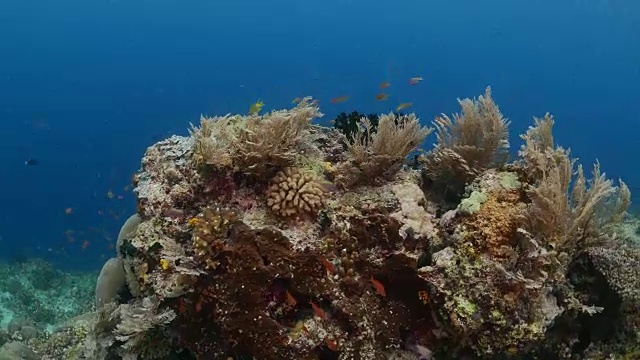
[87, 85]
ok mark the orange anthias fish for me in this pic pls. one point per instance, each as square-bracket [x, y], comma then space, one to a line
[382, 97]
[384, 85]
[339, 99]
[415, 80]
[378, 286]
[404, 106]
[328, 265]
[331, 344]
[85, 245]
[290, 299]
[68, 211]
[317, 311]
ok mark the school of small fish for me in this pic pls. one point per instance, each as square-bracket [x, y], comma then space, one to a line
[380, 96]
[254, 109]
[95, 233]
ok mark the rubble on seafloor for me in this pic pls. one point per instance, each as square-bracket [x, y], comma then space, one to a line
[268, 237]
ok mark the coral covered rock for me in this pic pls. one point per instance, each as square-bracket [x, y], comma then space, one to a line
[244, 249]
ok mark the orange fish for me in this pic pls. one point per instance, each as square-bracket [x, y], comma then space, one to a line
[290, 299]
[384, 85]
[330, 343]
[85, 245]
[340, 99]
[68, 211]
[181, 307]
[317, 311]
[424, 296]
[404, 106]
[415, 80]
[382, 97]
[329, 265]
[378, 286]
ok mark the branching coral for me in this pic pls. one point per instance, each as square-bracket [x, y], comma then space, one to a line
[379, 155]
[293, 193]
[211, 227]
[254, 144]
[469, 143]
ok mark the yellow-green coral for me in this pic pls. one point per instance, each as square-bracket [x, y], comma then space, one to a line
[66, 343]
[209, 232]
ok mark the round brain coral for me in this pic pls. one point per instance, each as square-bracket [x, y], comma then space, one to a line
[293, 193]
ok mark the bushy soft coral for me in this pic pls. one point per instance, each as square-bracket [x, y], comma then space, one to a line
[471, 142]
[254, 144]
[375, 157]
[566, 209]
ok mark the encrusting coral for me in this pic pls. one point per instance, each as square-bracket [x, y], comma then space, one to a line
[245, 250]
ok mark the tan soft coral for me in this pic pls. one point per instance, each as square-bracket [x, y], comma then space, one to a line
[255, 144]
[293, 193]
[567, 210]
[471, 142]
[376, 157]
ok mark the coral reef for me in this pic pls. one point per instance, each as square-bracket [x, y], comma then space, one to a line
[268, 237]
[35, 292]
[35, 300]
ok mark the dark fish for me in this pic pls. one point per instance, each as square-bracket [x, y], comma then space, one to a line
[31, 162]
